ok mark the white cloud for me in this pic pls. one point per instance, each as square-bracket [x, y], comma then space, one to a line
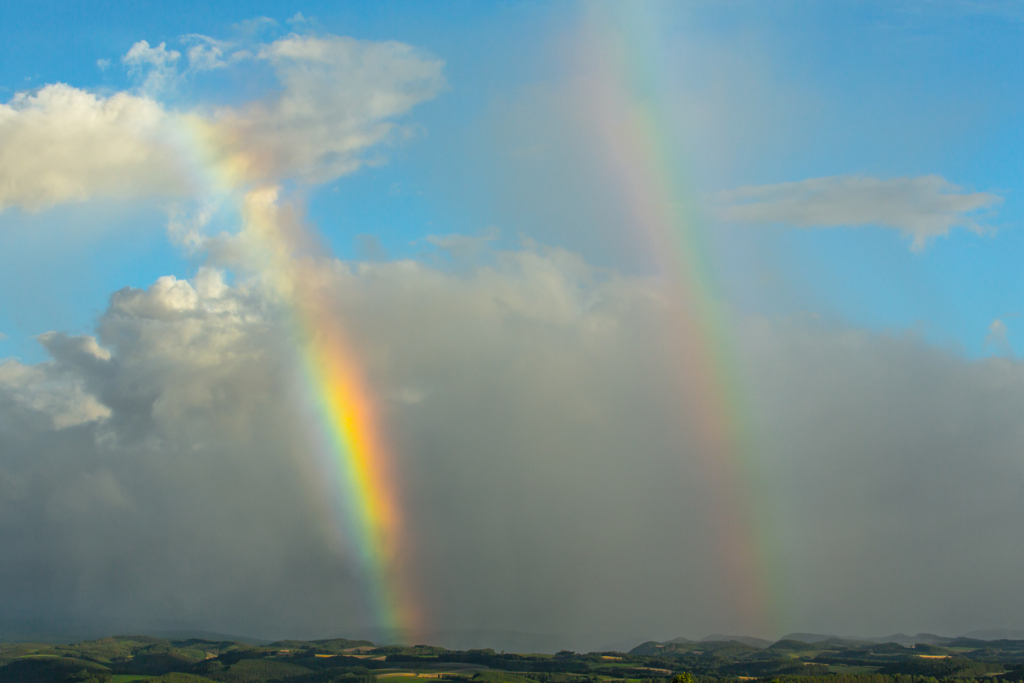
[62, 144]
[48, 391]
[141, 54]
[921, 208]
[157, 63]
[339, 100]
[463, 246]
[253, 27]
[205, 53]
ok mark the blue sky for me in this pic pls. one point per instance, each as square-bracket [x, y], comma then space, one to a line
[61, 284]
[806, 90]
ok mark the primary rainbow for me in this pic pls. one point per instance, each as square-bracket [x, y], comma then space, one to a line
[624, 81]
[358, 481]
[361, 483]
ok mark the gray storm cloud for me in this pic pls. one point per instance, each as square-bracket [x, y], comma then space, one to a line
[158, 475]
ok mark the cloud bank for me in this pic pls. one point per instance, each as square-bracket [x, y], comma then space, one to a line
[921, 208]
[159, 474]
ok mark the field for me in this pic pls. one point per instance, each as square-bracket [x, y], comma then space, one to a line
[139, 658]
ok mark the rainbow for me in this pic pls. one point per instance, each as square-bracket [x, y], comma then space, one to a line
[624, 99]
[623, 89]
[362, 486]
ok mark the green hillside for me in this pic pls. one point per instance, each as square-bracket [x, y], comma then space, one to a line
[128, 659]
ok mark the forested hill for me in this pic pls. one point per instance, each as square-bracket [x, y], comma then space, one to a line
[122, 659]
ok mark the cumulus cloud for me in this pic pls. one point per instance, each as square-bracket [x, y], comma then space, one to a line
[114, 506]
[921, 208]
[42, 390]
[161, 473]
[62, 144]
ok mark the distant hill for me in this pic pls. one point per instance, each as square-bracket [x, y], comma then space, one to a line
[711, 644]
[898, 638]
[509, 641]
[794, 645]
[187, 634]
[800, 640]
[330, 644]
[922, 638]
[759, 643]
[807, 637]
[652, 647]
[996, 634]
[910, 641]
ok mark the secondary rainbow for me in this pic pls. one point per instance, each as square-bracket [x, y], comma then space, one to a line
[623, 96]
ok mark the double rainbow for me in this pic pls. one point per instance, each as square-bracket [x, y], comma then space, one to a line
[624, 97]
